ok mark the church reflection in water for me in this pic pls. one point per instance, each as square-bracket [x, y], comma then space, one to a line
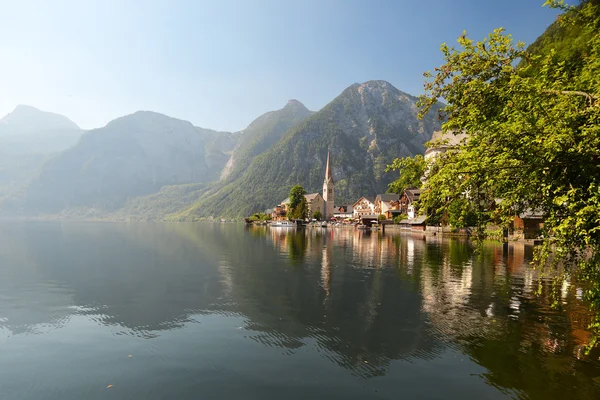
[363, 298]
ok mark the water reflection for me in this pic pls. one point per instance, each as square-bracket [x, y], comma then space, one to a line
[362, 299]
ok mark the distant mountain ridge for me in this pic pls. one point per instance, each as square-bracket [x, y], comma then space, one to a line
[131, 156]
[28, 118]
[29, 137]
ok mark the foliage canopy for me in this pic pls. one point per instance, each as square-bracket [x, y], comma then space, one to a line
[410, 169]
[533, 138]
[318, 215]
[298, 208]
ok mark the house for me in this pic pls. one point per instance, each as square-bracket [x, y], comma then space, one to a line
[530, 223]
[342, 211]
[363, 207]
[314, 201]
[279, 213]
[384, 203]
[442, 141]
[415, 224]
[407, 202]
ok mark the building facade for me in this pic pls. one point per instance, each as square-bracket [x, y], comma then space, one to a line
[314, 203]
[364, 207]
[342, 212]
[384, 203]
[407, 202]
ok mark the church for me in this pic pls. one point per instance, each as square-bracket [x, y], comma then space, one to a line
[315, 201]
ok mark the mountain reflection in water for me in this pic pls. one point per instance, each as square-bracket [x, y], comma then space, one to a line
[366, 313]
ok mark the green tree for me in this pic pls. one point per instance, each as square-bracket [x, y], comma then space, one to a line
[301, 212]
[411, 170]
[533, 139]
[259, 217]
[297, 207]
[462, 213]
[400, 218]
[317, 215]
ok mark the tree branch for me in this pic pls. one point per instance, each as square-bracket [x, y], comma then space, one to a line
[591, 98]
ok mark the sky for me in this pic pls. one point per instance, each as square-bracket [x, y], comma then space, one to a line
[221, 63]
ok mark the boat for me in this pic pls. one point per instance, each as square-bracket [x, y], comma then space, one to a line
[283, 224]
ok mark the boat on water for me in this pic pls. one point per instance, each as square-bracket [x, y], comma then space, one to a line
[283, 224]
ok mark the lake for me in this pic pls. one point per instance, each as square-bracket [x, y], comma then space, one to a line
[203, 311]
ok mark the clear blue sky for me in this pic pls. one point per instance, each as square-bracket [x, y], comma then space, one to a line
[220, 64]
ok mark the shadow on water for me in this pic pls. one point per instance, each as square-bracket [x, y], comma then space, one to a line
[363, 300]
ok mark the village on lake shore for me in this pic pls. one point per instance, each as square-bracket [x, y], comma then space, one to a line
[400, 210]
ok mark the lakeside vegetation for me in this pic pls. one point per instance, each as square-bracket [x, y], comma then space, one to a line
[532, 117]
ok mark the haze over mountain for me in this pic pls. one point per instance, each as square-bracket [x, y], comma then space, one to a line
[28, 130]
[131, 156]
[150, 166]
[28, 137]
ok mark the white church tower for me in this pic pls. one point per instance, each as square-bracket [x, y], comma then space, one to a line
[328, 190]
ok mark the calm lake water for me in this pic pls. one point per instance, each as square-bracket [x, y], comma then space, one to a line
[200, 311]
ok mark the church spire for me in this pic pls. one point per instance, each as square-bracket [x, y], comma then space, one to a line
[328, 188]
[328, 174]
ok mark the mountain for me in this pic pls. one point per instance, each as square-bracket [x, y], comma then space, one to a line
[28, 137]
[261, 135]
[571, 43]
[150, 166]
[131, 156]
[218, 147]
[30, 119]
[258, 137]
[365, 128]
[28, 130]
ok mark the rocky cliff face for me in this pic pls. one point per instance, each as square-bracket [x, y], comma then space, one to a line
[365, 127]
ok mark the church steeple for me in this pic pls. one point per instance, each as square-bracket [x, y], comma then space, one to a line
[328, 174]
[328, 189]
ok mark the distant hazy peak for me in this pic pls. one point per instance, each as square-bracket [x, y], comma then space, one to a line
[149, 119]
[296, 107]
[24, 108]
[25, 118]
[294, 103]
